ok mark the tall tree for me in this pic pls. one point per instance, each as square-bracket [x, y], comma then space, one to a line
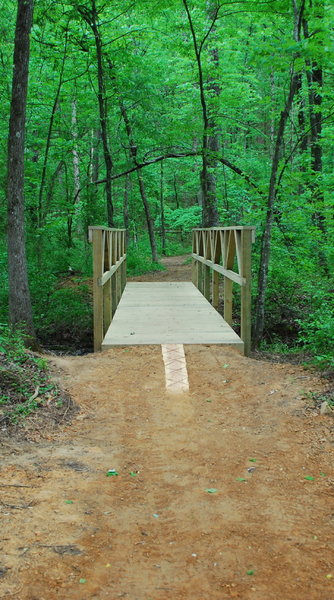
[20, 311]
[91, 16]
[210, 144]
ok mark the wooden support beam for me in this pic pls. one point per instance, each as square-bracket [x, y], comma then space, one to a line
[246, 299]
[215, 289]
[206, 282]
[109, 276]
[228, 245]
[96, 237]
[226, 272]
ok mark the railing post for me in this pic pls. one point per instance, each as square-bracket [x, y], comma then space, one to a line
[206, 282]
[215, 290]
[246, 272]
[97, 288]
[228, 300]
[109, 277]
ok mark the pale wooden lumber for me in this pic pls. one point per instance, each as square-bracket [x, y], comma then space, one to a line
[109, 276]
[228, 245]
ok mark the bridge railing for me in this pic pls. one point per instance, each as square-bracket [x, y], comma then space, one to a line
[217, 251]
[109, 276]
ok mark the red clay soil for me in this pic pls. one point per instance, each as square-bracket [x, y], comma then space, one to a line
[223, 492]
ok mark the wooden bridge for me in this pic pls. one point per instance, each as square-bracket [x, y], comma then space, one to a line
[173, 313]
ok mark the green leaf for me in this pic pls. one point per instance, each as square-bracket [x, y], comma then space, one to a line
[133, 474]
[241, 479]
[252, 459]
[309, 478]
[82, 580]
[69, 502]
[250, 572]
[211, 490]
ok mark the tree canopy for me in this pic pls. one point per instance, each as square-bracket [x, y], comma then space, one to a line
[235, 99]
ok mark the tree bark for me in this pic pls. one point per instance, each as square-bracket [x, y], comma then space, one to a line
[141, 183]
[210, 217]
[40, 212]
[20, 311]
[314, 76]
[162, 211]
[75, 153]
[90, 15]
[272, 192]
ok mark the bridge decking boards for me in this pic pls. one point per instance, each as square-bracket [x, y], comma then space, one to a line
[167, 313]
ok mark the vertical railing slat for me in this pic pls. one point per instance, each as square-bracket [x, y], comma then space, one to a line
[109, 251]
[223, 244]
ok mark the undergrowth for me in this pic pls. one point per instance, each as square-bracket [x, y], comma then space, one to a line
[26, 385]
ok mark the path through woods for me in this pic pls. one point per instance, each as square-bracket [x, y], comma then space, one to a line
[223, 492]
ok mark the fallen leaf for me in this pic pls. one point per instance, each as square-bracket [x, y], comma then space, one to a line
[111, 473]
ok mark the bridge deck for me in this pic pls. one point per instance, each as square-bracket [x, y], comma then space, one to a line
[167, 313]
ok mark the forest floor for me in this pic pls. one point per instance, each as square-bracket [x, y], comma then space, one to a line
[223, 492]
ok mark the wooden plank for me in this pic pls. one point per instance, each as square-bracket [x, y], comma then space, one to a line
[97, 290]
[206, 282]
[232, 228]
[246, 248]
[215, 289]
[226, 272]
[228, 300]
[106, 276]
[163, 313]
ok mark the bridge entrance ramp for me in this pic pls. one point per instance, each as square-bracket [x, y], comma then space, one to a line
[167, 313]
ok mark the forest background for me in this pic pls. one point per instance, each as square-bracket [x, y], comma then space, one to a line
[161, 116]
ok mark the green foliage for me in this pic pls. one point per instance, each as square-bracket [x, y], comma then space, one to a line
[149, 63]
[317, 330]
[184, 219]
[25, 383]
[139, 259]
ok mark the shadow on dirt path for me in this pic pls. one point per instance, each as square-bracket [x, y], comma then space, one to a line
[224, 492]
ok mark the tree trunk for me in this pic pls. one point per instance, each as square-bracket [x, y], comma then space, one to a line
[20, 311]
[90, 15]
[162, 211]
[127, 191]
[314, 76]
[210, 216]
[75, 153]
[40, 212]
[272, 192]
[133, 154]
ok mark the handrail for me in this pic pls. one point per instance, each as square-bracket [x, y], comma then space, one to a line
[215, 249]
[109, 276]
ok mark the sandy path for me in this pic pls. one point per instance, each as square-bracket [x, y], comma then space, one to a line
[154, 531]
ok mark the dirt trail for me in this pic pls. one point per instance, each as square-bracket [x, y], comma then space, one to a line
[154, 531]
